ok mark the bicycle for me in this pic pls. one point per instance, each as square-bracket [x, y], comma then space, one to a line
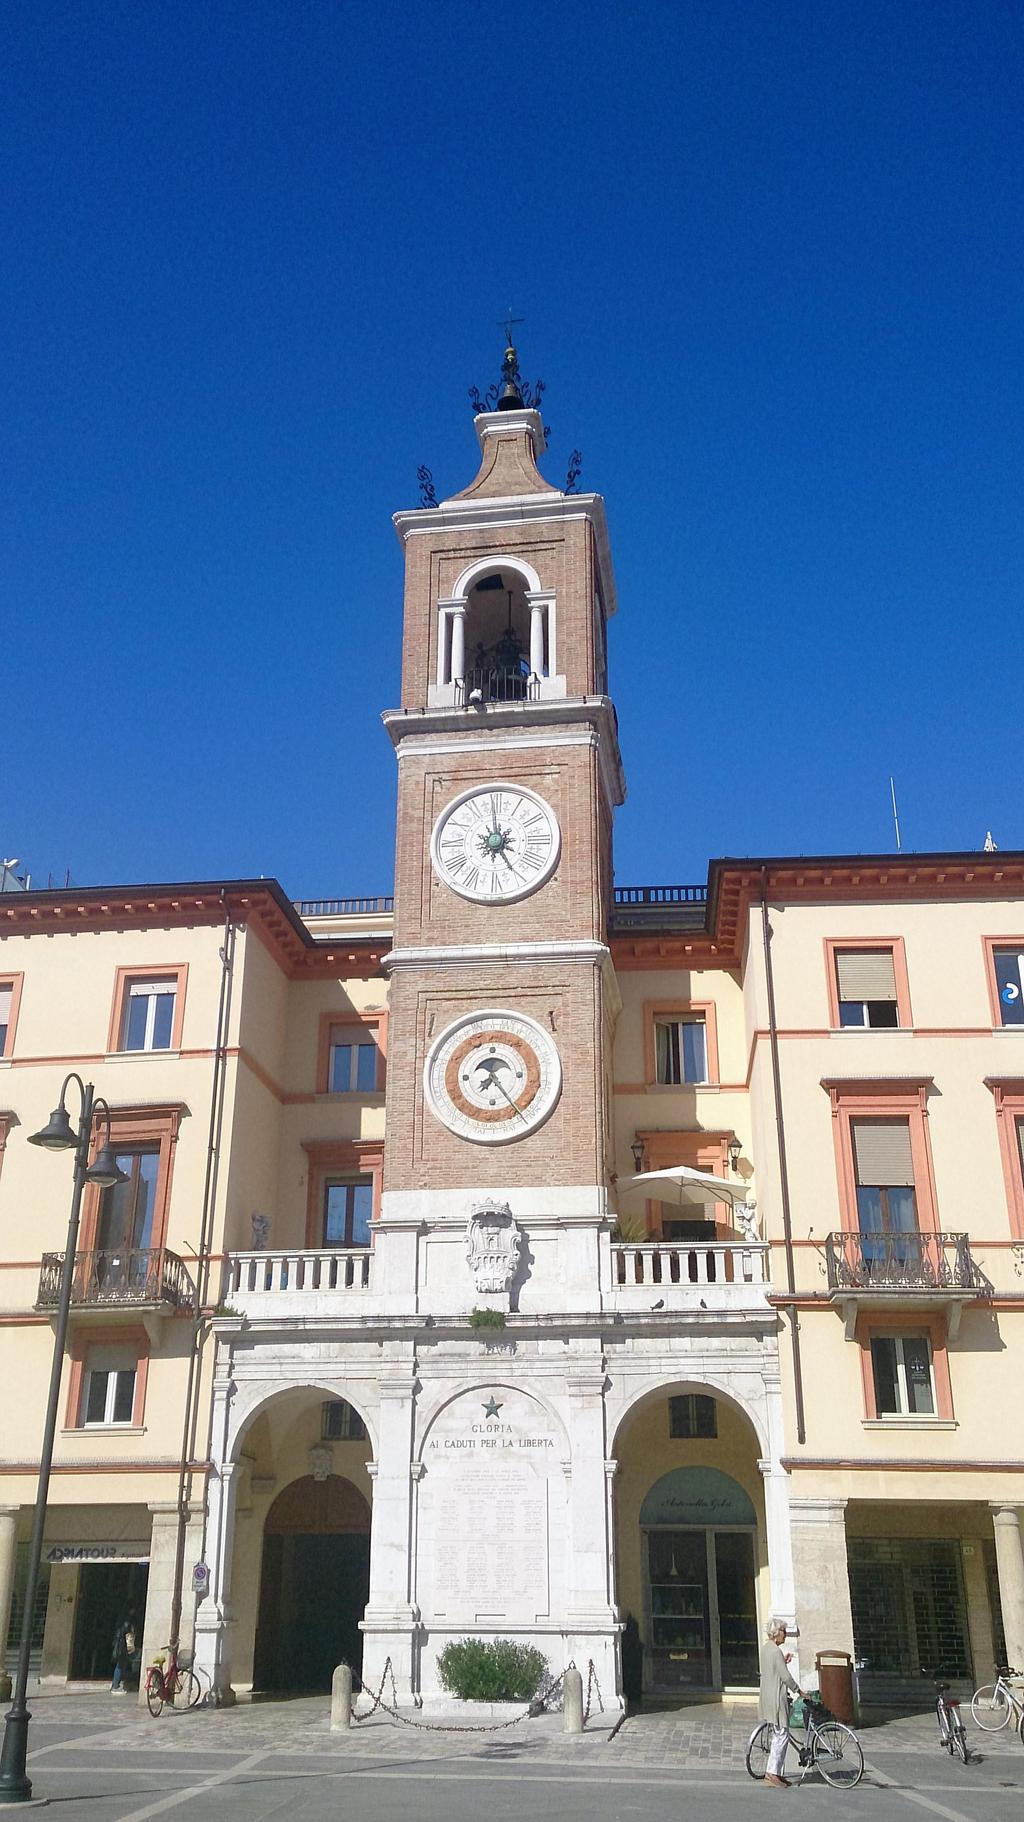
[994, 1703]
[165, 1685]
[952, 1734]
[829, 1747]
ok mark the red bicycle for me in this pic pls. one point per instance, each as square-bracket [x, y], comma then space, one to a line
[171, 1680]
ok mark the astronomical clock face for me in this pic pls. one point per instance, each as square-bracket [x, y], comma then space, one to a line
[492, 1077]
[495, 844]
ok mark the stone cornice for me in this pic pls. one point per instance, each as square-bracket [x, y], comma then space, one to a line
[557, 721]
[505, 954]
[515, 509]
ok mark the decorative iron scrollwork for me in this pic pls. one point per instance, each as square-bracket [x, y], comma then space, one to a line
[575, 467]
[428, 497]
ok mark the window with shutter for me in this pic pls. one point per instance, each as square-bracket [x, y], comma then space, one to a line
[866, 984]
[884, 1162]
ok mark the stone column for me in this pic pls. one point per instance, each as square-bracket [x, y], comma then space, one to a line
[536, 638]
[458, 644]
[59, 1626]
[778, 1535]
[8, 1558]
[1010, 1569]
[213, 1614]
[390, 1618]
[979, 1612]
[590, 1623]
[156, 1631]
[821, 1578]
[780, 1542]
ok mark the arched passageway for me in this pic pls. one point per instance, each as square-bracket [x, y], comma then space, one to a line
[690, 1546]
[314, 1584]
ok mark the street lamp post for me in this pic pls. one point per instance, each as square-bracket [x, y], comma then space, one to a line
[57, 1135]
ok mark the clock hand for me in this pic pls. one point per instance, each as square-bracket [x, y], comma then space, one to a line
[500, 1086]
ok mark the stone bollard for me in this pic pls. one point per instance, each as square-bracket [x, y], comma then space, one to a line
[341, 1698]
[572, 1702]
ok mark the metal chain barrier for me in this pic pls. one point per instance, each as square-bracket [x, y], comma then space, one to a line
[538, 1703]
[592, 1685]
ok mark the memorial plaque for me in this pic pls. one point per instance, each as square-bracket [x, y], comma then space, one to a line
[492, 1489]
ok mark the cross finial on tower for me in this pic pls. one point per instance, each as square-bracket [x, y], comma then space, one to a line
[509, 324]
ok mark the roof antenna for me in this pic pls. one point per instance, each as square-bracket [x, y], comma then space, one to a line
[895, 814]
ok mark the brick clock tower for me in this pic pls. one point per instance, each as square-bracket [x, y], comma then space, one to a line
[502, 1006]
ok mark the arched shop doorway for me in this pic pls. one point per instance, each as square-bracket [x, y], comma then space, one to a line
[690, 1545]
[699, 1533]
[314, 1584]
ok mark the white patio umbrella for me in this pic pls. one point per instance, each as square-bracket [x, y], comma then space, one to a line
[681, 1185]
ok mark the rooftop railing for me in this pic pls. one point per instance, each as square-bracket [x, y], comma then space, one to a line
[345, 907]
[660, 895]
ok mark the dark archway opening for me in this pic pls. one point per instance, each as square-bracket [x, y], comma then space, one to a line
[314, 1586]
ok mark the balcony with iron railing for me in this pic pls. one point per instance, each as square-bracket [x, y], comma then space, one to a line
[878, 1270]
[137, 1279]
[492, 683]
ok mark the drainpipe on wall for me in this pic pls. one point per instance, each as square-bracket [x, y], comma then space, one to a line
[191, 1419]
[780, 1128]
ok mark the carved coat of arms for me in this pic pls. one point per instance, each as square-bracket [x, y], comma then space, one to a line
[493, 1243]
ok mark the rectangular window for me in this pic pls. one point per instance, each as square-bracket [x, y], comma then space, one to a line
[886, 1200]
[348, 1212]
[108, 1386]
[340, 1423]
[6, 1002]
[353, 1065]
[1009, 967]
[148, 1018]
[692, 1414]
[866, 988]
[902, 1369]
[681, 1050]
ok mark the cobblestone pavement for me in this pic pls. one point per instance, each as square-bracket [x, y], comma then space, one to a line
[712, 1735]
[102, 1758]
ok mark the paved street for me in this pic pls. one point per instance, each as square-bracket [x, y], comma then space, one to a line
[97, 1757]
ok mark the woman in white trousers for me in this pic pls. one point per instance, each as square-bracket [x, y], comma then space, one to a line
[776, 1681]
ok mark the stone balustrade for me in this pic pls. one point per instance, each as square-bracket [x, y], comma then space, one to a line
[302, 1271]
[732, 1274]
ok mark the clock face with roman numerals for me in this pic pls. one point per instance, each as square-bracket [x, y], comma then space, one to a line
[496, 843]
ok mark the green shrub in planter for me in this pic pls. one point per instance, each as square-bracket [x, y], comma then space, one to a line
[497, 1670]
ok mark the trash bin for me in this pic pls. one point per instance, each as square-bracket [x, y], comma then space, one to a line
[835, 1679]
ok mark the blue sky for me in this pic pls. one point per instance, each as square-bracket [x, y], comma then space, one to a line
[769, 258]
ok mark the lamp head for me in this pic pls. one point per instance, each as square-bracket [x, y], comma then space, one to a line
[105, 1171]
[639, 1150]
[735, 1151]
[58, 1133]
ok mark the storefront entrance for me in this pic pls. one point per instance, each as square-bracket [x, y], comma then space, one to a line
[910, 1622]
[701, 1621]
[315, 1585]
[108, 1594]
